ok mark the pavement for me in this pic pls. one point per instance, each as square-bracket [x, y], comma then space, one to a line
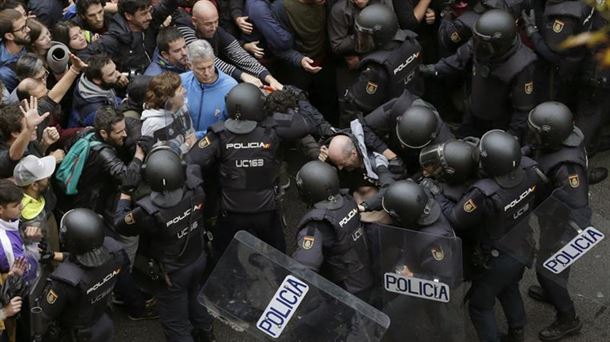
[590, 281]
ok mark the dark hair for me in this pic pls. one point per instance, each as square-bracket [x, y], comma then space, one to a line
[28, 65]
[10, 120]
[9, 192]
[167, 36]
[36, 28]
[161, 88]
[96, 63]
[132, 6]
[7, 18]
[13, 4]
[61, 31]
[83, 5]
[280, 101]
[105, 118]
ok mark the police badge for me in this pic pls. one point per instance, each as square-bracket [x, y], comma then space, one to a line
[455, 37]
[469, 206]
[437, 253]
[574, 181]
[371, 88]
[308, 242]
[52, 297]
[529, 88]
[557, 26]
[129, 218]
[203, 143]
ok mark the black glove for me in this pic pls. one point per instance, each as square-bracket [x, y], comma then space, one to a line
[46, 255]
[431, 185]
[529, 20]
[428, 70]
[129, 182]
[373, 203]
[396, 166]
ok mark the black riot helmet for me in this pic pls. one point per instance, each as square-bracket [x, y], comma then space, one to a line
[452, 162]
[164, 171]
[494, 35]
[550, 123]
[499, 153]
[82, 235]
[375, 26]
[245, 102]
[317, 181]
[409, 205]
[416, 127]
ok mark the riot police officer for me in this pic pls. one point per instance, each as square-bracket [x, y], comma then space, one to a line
[331, 239]
[390, 63]
[502, 88]
[559, 150]
[245, 149]
[171, 219]
[78, 291]
[494, 205]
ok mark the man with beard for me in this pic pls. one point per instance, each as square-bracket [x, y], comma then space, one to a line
[170, 54]
[94, 90]
[15, 35]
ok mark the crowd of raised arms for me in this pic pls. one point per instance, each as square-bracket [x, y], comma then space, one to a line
[137, 137]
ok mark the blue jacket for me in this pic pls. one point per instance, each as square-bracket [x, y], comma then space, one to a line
[7, 64]
[206, 102]
[266, 26]
[159, 65]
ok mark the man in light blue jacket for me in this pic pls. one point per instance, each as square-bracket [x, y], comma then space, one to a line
[206, 87]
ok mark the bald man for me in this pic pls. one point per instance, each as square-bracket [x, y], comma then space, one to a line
[231, 58]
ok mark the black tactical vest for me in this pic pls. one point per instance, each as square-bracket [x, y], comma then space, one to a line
[94, 284]
[179, 238]
[400, 63]
[491, 85]
[347, 262]
[511, 205]
[249, 168]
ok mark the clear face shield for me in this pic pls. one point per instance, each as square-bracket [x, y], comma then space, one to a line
[365, 41]
[432, 161]
[484, 49]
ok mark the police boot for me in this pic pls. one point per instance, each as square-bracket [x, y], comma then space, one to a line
[514, 335]
[203, 335]
[597, 175]
[536, 292]
[564, 325]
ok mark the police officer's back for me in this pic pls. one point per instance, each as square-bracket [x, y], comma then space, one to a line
[79, 289]
[494, 205]
[245, 150]
[558, 147]
[331, 239]
[171, 220]
[390, 64]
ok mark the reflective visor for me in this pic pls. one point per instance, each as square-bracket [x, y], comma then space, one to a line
[432, 160]
[365, 41]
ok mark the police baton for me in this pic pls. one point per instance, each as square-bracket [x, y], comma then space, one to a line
[37, 323]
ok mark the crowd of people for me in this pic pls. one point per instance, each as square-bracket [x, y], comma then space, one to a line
[138, 136]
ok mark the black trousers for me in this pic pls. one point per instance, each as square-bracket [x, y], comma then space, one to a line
[267, 226]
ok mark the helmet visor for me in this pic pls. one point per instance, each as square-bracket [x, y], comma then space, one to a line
[432, 160]
[365, 41]
[484, 49]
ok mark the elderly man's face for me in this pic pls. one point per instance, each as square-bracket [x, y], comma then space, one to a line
[206, 23]
[204, 70]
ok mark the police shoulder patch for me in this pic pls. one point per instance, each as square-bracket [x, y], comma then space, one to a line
[469, 206]
[371, 88]
[558, 26]
[52, 297]
[308, 241]
[203, 143]
[437, 253]
[455, 37]
[529, 88]
[129, 218]
[574, 181]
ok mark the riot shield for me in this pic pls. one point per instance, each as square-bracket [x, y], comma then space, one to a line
[566, 249]
[259, 290]
[419, 283]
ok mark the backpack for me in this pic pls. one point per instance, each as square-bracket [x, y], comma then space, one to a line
[71, 168]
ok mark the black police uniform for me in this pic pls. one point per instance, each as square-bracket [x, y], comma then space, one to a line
[249, 167]
[176, 242]
[384, 74]
[502, 93]
[331, 241]
[557, 71]
[383, 125]
[495, 210]
[77, 296]
[454, 32]
[566, 170]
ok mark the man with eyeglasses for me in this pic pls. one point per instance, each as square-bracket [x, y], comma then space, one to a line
[15, 35]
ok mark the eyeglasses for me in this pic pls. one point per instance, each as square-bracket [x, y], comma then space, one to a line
[43, 76]
[23, 28]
